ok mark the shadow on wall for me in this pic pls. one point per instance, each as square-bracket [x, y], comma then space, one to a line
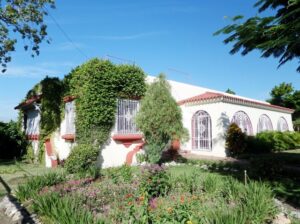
[222, 124]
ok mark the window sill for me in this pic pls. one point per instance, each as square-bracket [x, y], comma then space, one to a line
[33, 137]
[127, 139]
[69, 137]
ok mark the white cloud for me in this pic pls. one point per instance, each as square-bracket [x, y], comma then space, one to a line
[28, 72]
[130, 37]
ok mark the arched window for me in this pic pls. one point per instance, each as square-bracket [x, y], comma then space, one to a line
[264, 124]
[243, 121]
[201, 131]
[282, 125]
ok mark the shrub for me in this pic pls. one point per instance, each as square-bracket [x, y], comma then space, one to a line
[235, 140]
[81, 159]
[155, 181]
[160, 119]
[12, 141]
[35, 184]
[273, 141]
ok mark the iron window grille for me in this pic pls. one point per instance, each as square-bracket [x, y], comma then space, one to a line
[201, 131]
[70, 117]
[127, 110]
[282, 124]
[243, 121]
[32, 122]
[264, 124]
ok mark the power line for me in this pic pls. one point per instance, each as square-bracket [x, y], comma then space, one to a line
[186, 74]
[65, 34]
[120, 59]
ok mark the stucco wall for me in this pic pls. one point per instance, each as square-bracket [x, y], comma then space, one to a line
[221, 115]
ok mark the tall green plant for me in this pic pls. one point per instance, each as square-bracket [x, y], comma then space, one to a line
[159, 118]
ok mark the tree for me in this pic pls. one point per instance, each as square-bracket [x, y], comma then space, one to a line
[230, 91]
[160, 119]
[286, 96]
[25, 18]
[276, 35]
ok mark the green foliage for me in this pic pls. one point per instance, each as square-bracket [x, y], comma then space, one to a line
[154, 181]
[25, 18]
[273, 141]
[230, 91]
[35, 184]
[63, 210]
[275, 35]
[12, 141]
[82, 158]
[235, 140]
[160, 119]
[97, 84]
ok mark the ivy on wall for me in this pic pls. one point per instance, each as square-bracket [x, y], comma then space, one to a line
[97, 84]
[52, 91]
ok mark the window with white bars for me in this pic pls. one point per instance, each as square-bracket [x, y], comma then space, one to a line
[264, 124]
[127, 110]
[282, 125]
[201, 131]
[70, 117]
[243, 121]
[32, 122]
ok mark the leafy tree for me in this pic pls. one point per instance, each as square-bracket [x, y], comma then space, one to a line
[286, 96]
[159, 119]
[230, 91]
[12, 141]
[25, 18]
[276, 35]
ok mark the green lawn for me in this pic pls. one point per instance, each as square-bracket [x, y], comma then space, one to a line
[14, 173]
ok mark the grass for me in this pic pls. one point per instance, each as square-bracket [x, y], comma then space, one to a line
[14, 173]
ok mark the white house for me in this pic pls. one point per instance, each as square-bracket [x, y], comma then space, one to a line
[206, 114]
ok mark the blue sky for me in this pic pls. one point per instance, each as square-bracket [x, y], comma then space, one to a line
[158, 35]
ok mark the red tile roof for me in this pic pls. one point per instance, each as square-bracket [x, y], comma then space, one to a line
[29, 101]
[210, 96]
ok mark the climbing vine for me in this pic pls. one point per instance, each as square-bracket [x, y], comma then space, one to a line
[51, 90]
[97, 84]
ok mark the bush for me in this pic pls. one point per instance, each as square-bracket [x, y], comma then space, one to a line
[235, 140]
[82, 158]
[160, 119]
[12, 141]
[154, 181]
[273, 141]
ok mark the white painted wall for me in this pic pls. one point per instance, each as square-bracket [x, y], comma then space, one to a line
[224, 111]
[114, 153]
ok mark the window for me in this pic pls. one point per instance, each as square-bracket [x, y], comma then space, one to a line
[264, 124]
[70, 117]
[282, 125]
[127, 110]
[201, 131]
[32, 122]
[243, 121]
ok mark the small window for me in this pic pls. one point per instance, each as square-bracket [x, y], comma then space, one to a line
[201, 131]
[243, 121]
[282, 125]
[264, 124]
[127, 110]
[70, 117]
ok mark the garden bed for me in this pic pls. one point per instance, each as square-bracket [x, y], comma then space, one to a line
[149, 194]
